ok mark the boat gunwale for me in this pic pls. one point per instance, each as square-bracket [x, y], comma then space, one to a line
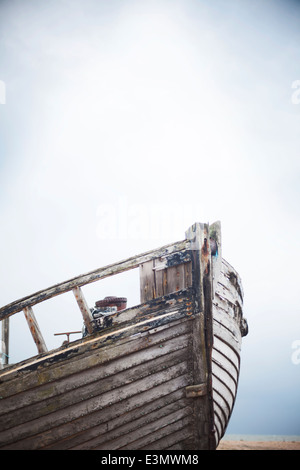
[93, 276]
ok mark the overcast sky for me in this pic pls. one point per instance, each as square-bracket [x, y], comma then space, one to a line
[124, 122]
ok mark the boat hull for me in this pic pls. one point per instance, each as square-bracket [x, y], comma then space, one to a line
[161, 375]
[125, 390]
[228, 329]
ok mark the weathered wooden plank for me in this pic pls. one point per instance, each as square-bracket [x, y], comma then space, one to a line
[223, 397]
[84, 308]
[225, 379]
[228, 325]
[35, 330]
[226, 349]
[220, 360]
[234, 277]
[122, 433]
[188, 274]
[203, 333]
[147, 281]
[98, 381]
[164, 276]
[90, 277]
[220, 421]
[158, 430]
[229, 294]
[4, 343]
[161, 281]
[20, 433]
[170, 338]
[216, 250]
[137, 408]
[230, 281]
[137, 346]
[90, 352]
[175, 438]
[175, 278]
[76, 435]
[220, 303]
[86, 375]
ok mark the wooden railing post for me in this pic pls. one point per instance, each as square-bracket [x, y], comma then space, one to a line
[4, 343]
[84, 308]
[35, 330]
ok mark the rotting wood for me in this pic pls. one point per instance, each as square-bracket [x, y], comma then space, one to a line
[35, 330]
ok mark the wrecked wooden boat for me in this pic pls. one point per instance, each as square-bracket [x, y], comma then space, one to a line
[160, 375]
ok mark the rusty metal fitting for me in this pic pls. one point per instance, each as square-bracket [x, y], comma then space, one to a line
[119, 302]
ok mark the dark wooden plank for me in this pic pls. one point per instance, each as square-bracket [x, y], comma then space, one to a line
[125, 413]
[37, 434]
[124, 433]
[179, 437]
[160, 429]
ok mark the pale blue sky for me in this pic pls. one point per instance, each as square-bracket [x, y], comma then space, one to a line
[127, 121]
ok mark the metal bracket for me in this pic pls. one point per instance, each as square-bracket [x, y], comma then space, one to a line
[194, 391]
[68, 333]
